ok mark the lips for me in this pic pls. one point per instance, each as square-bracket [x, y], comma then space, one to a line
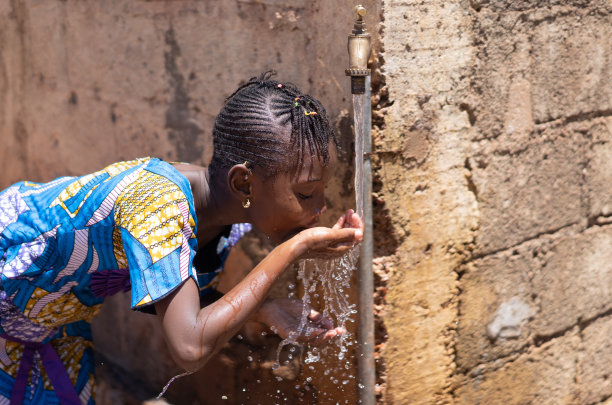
[295, 231]
[292, 233]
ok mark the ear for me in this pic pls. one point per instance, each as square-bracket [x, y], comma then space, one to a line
[239, 181]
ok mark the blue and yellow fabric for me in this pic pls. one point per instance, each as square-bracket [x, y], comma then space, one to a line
[136, 217]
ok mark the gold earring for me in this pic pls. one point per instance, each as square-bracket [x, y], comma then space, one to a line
[247, 203]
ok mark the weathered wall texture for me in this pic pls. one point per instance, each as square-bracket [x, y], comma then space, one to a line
[493, 131]
[494, 167]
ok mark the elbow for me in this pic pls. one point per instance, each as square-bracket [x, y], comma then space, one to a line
[192, 357]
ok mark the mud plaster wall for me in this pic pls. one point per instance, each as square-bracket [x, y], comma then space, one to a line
[84, 84]
[494, 136]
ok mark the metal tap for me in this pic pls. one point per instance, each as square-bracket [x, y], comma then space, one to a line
[359, 48]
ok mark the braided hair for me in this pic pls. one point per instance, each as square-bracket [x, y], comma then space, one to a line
[270, 125]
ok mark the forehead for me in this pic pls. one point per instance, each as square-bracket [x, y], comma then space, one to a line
[313, 169]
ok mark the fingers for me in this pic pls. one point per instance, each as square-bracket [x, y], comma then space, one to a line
[327, 335]
[320, 320]
[350, 220]
[354, 221]
[340, 222]
[345, 235]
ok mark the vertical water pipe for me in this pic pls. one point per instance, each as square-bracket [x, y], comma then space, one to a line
[359, 48]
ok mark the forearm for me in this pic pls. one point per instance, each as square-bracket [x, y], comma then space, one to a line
[195, 334]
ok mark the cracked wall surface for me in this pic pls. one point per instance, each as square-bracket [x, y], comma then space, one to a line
[428, 54]
[492, 211]
[500, 290]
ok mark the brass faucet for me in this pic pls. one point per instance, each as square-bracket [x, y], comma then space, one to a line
[359, 48]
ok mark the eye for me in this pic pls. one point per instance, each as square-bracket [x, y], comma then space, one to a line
[304, 196]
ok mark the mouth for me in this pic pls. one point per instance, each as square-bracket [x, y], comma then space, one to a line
[292, 233]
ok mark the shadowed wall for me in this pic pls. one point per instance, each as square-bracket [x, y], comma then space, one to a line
[84, 84]
[492, 131]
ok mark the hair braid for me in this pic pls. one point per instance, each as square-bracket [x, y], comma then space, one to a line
[263, 121]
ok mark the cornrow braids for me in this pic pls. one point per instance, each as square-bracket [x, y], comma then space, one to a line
[263, 121]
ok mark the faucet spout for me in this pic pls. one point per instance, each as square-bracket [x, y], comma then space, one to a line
[359, 49]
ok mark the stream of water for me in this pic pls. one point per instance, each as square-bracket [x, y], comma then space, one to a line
[327, 283]
[358, 120]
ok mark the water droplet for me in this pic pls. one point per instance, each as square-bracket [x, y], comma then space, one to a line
[250, 358]
[361, 386]
[223, 397]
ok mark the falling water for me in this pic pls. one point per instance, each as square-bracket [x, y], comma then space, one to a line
[358, 106]
[329, 282]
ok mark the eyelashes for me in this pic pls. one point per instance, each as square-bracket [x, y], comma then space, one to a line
[304, 196]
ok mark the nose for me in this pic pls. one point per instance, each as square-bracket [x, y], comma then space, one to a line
[320, 210]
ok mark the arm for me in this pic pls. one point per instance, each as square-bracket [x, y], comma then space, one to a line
[194, 334]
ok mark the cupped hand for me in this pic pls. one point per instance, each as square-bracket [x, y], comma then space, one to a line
[328, 243]
[283, 316]
[350, 219]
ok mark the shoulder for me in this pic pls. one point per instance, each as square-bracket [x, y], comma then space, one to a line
[159, 195]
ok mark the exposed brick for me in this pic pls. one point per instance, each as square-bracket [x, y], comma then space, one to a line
[544, 376]
[563, 280]
[562, 52]
[575, 282]
[598, 173]
[594, 376]
[487, 284]
[534, 192]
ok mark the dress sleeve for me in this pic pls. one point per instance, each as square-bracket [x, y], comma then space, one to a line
[157, 237]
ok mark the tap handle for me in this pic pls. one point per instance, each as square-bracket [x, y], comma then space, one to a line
[359, 27]
[360, 10]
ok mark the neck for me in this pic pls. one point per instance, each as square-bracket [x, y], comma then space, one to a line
[215, 208]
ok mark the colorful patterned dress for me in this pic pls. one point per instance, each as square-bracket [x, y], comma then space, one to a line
[131, 224]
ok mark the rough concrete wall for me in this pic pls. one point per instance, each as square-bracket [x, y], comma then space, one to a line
[540, 173]
[428, 54]
[496, 176]
[87, 83]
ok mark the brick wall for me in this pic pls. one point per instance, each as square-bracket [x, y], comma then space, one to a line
[500, 288]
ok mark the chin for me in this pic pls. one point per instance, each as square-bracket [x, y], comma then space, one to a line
[291, 234]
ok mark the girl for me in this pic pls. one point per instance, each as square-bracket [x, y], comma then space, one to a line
[163, 231]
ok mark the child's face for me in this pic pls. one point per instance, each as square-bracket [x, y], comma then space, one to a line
[286, 204]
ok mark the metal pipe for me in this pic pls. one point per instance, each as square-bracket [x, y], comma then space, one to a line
[359, 47]
[366, 364]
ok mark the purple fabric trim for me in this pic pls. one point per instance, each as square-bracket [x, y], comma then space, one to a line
[21, 381]
[14, 323]
[237, 232]
[65, 391]
[105, 283]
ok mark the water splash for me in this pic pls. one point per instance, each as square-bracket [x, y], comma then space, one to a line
[161, 394]
[331, 281]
